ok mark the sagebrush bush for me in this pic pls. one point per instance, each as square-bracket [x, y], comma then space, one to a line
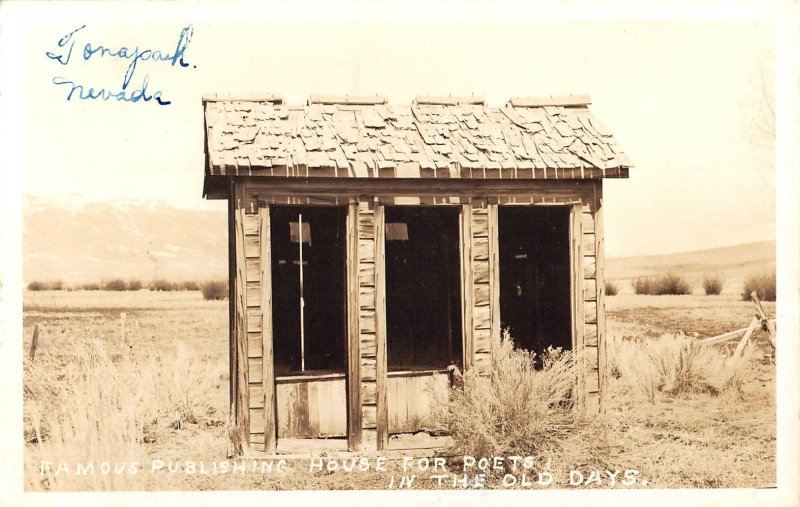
[763, 285]
[712, 285]
[89, 286]
[133, 285]
[215, 289]
[669, 284]
[189, 285]
[611, 288]
[675, 365]
[161, 285]
[117, 284]
[644, 285]
[514, 408]
[672, 284]
[37, 286]
[52, 285]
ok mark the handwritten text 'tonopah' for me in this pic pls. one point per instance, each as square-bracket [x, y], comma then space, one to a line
[94, 52]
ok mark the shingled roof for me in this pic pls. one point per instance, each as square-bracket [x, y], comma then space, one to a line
[365, 137]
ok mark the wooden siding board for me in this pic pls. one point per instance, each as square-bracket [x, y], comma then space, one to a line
[602, 343]
[242, 374]
[589, 289]
[494, 273]
[354, 269]
[266, 342]
[381, 385]
[576, 291]
[467, 282]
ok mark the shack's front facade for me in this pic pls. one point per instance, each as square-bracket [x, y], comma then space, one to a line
[374, 246]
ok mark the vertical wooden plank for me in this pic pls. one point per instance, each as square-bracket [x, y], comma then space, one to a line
[380, 329]
[402, 403]
[339, 401]
[602, 343]
[494, 274]
[232, 359]
[391, 403]
[465, 219]
[576, 295]
[353, 341]
[413, 391]
[242, 389]
[268, 360]
[312, 405]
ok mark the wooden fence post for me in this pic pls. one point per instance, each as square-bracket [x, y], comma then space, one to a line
[123, 333]
[34, 341]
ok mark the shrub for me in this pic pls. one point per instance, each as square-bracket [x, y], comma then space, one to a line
[611, 289]
[676, 365]
[89, 286]
[763, 285]
[712, 285]
[644, 285]
[117, 284]
[672, 284]
[189, 285]
[669, 284]
[514, 408]
[161, 285]
[52, 285]
[215, 289]
[133, 285]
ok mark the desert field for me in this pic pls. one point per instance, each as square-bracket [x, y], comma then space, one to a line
[154, 390]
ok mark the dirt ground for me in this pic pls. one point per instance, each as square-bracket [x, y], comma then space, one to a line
[697, 441]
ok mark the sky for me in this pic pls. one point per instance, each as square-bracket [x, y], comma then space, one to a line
[682, 98]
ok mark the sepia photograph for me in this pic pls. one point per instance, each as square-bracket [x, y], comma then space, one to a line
[536, 253]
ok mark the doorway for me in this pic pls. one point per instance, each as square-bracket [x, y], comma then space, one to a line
[535, 278]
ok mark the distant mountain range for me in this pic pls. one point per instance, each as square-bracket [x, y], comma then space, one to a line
[75, 240]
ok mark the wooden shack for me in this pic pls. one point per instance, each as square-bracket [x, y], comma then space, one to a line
[374, 246]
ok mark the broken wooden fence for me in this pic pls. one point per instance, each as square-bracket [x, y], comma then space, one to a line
[760, 318]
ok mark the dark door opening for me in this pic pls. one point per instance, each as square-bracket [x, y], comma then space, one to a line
[535, 276]
[324, 297]
[423, 302]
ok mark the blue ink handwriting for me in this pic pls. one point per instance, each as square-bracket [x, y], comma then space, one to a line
[175, 58]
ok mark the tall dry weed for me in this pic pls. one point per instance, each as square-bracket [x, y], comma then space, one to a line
[99, 407]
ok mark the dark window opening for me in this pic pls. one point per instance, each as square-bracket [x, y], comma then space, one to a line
[535, 277]
[423, 302]
[324, 294]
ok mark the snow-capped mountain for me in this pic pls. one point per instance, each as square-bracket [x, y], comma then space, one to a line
[76, 240]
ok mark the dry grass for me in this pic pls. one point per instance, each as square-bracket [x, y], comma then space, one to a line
[611, 288]
[95, 406]
[91, 398]
[676, 365]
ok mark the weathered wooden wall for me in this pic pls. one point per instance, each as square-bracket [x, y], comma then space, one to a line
[412, 396]
[253, 322]
[253, 387]
[368, 344]
[312, 407]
